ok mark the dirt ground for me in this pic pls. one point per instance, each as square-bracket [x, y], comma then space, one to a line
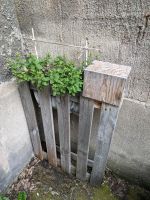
[43, 182]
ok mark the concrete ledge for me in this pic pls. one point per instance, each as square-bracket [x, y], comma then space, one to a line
[15, 145]
[130, 150]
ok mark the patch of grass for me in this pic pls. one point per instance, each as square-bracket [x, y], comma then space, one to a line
[103, 192]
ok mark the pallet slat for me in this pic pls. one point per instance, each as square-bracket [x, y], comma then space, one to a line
[30, 118]
[63, 111]
[85, 125]
[48, 124]
[108, 119]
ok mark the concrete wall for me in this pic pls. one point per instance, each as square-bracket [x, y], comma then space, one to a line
[120, 29]
[15, 145]
[130, 150]
[10, 36]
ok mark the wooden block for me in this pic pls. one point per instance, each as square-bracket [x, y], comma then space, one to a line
[48, 124]
[63, 111]
[105, 82]
[107, 122]
[85, 125]
[31, 118]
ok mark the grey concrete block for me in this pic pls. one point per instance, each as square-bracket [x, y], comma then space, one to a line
[15, 144]
[130, 150]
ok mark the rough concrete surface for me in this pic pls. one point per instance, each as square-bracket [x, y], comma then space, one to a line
[10, 36]
[130, 151]
[119, 28]
[15, 144]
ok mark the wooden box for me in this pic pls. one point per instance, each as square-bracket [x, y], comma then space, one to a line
[105, 82]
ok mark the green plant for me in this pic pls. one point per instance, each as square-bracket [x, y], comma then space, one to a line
[62, 74]
[30, 69]
[65, 78]
[22, 196]
[3, 198]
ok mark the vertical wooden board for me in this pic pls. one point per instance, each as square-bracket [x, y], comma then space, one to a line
[85, 125]
[48, 124]
[63, 110]
[108, 119]
[31, 118]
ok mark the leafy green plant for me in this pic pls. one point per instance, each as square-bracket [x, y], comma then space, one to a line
[65, 78]
[22, 196]
[62, 74]
[30, 69]
[3, 198]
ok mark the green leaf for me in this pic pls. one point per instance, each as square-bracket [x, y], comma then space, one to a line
[3, 198]
[22, 196]
[60, 72]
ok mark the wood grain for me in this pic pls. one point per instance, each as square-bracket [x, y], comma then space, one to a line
[85, 125]
[30, 118]
[63, 111]
[105, 82]
[48, 124]
[108, 119]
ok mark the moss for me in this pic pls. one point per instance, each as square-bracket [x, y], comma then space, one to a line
[103, 192]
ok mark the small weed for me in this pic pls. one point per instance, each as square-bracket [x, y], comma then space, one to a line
[21, 196]
[3, 198]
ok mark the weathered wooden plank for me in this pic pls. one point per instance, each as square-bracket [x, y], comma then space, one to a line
[48, 125]
[63, 111]
[105, 82]
[108, 119]
[31, 118]
[74, 157]
[85, 125]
